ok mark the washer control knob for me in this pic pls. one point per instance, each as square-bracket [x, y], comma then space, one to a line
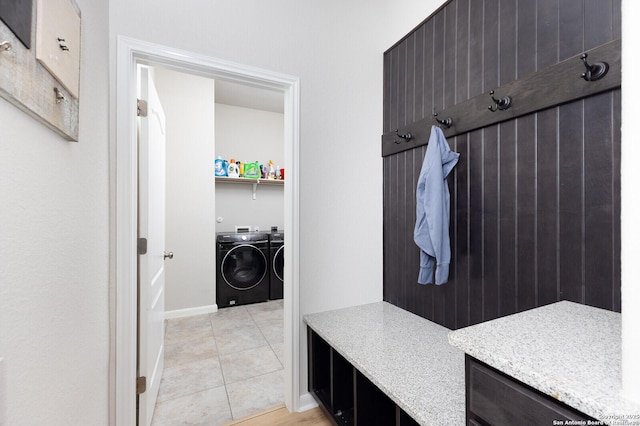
[244, 238]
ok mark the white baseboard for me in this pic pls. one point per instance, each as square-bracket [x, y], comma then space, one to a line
[179, 313]
[307, 402]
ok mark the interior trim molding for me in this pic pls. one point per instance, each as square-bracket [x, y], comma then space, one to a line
[129, 53]
[307, 402]
[188, 312]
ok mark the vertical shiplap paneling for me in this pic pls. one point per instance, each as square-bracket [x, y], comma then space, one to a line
[460, 244]
[386, 91]
[490, 169]
[402, 84]
[475, 255]
[429, 34]
[571, 170]
[414, 164]
[507, 165]
[449, 49]
[615, 191]
[547, 208]
[394, 99]
[599, 258]
[507, 237]
[439, 47]
[390, 263]
[406, 177]
[390, 222]
[598, 201]
[474, 166]
[450, 39]
[598, 21]
[424, 295]
[419, 77]
[616, 20]
[570, 33]
[547, 163]
[404, 173]
[410, 253]
[535, 203]
[388, 259]
[459, 272]
[526, 196]
[461, 87]
[386, 123]
[571, 203]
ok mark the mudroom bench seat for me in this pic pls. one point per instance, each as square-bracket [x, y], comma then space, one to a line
[379, 364]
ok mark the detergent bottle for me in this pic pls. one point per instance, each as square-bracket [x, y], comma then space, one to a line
[220, 168]
[232, 170]
[251, 170]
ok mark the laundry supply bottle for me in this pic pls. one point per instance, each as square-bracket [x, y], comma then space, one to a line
[232, 170]
[219, 167]
[272, 171]
[251, 170]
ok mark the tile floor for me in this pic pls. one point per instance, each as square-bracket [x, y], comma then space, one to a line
[222, 366]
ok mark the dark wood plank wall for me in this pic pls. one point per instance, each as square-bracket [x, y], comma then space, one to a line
[535, 200]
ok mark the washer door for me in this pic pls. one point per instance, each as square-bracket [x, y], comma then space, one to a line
[278, 263]
[244, 267]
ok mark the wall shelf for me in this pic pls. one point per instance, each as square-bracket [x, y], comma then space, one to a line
[253, 182]
[247, 180]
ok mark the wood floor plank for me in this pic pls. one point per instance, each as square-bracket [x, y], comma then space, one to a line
[280, 416]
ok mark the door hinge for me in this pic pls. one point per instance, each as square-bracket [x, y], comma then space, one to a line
[142, 246]
[141, 385]
[142, 108]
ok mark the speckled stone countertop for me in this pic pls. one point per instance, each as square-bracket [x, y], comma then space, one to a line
[407, 357]
[566, 350]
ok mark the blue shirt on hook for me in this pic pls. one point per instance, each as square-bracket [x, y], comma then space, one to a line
[431, 232]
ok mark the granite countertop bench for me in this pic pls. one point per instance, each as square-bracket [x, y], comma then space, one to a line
[408, 357]
[569, 351]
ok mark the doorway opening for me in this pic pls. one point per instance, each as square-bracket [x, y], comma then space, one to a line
[130, 54]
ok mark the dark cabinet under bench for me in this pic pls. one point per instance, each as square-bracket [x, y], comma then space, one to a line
[494, 399]
[344, 393]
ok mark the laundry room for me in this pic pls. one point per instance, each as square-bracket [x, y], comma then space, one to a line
[224, 282]
[211, 120]
[249, 173]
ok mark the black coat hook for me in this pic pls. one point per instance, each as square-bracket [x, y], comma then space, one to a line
[594, 72]
[499, 104]
[447, 122]
[407, 137]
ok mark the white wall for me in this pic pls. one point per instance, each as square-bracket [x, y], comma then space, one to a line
[188, 103]
[247, 134]
[54, 252]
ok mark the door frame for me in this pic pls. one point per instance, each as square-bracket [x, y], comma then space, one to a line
[130, 53]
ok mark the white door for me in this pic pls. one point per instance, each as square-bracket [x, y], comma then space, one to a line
[151, 226]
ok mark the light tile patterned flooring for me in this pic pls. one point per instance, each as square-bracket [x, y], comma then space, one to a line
[222, 366]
